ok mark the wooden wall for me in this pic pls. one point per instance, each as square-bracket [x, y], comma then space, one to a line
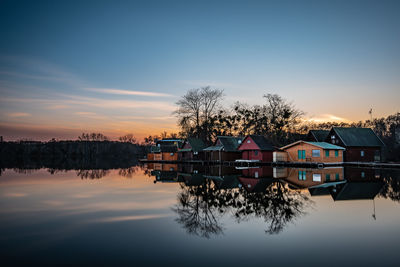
[293, 156]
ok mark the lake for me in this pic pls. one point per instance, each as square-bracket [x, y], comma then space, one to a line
[189, 215]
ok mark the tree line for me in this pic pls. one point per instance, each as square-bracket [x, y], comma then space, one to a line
[200, 114]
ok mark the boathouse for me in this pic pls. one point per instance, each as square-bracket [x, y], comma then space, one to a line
[319, 152]
[256, 148]
[165, 149]
[192, 150]
[317, 135]
[361, 144]
[224, 149]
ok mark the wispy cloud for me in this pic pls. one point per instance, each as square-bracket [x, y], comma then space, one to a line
[326, 118]
[127, 92]
[85, 113]
[18, 114]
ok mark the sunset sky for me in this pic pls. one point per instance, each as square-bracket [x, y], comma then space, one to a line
[118, 67]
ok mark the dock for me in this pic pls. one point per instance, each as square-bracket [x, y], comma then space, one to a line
[282, 164]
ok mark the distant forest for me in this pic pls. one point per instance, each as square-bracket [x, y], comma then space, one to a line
[88, 153]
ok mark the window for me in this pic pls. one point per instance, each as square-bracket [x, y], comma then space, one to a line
[248, 141]
[172, 154]
[362, 153]
[327, 153]
[256, 174]
[301, 154]
[336, 153]
[255, 152]
[327, 177]
[337, 176]
[316, 153]
[302, 175]
[316, 177]
[362, 174]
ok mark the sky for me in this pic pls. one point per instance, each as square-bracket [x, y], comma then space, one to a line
[118, 67]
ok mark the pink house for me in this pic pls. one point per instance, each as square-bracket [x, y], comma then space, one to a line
[256, 147]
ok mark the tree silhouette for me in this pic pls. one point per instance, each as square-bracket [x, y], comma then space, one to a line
[200, 207]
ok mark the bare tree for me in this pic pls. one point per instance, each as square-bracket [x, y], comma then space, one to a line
[196, 110]
[129, 138]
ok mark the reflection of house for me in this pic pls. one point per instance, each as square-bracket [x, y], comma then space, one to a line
[192, 150]
[302, 151]
[357, 190]
[280, 172]
[165, 167]
[224, 149]
[253, 185]
[317, 135]
[361, 144]
[191, 179]
[354, 174]
[304, 178]
[256, 147]
[260, 172]
[165, 176]
[229, 181]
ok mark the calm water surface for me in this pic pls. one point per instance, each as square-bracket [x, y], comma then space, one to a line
[196, 216]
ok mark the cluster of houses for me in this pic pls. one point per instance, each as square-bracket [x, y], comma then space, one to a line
[341, 183]
[321, 146]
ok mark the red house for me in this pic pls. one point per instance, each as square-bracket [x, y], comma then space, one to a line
[256, 147]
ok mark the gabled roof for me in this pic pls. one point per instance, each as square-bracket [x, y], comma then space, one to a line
[326, 145]
[213, 148]
[352, 136]
[196, 144]
[230, 143]
[168, 148]
[262, 142]
[323, 145]
[319, 135]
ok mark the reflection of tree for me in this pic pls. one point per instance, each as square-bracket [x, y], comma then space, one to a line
[278, 205]
[91, 174]
[199, 207]
[391, 187]
[128, 172]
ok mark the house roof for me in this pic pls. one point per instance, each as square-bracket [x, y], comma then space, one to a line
[352, 136]
[323, 145]
[262, 142]
[230, 143]
[196, 144]
[168, 148]
[319, 135]
[213, 148]
[326, 145]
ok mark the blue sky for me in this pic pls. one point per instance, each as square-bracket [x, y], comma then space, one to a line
[119, 66]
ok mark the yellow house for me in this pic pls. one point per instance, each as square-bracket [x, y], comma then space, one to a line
[321, 152]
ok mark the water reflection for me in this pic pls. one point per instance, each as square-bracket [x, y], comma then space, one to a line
[48, 214]
[277, 195]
